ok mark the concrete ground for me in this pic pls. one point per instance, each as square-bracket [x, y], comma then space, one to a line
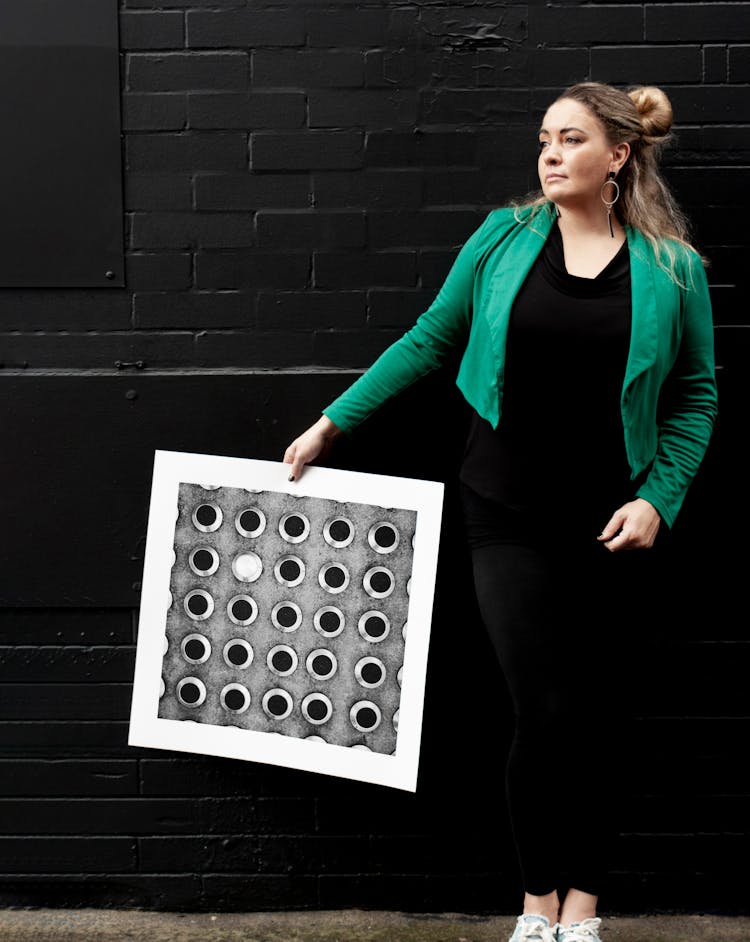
[348, 925]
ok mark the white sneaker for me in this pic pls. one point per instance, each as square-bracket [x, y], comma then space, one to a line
[533, 928]
[583, 931]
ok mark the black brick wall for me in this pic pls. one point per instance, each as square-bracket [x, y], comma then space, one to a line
[298, 180]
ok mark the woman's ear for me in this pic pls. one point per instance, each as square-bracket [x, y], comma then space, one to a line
[619, 155]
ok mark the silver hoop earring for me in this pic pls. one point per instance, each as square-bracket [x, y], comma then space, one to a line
[609, 205]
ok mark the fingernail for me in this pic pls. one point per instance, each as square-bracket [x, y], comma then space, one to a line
[291, 477]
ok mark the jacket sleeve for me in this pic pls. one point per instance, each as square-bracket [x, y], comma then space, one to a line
[689, 402]
[424, 347]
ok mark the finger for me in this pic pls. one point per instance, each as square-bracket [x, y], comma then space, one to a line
[622, 541]
[613, 525]
[297, 465]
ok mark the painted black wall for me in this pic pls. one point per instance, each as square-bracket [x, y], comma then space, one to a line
[298, 180]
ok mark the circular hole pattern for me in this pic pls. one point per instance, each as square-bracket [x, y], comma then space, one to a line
[379, 582]
[294, 527]
[282, 660]
[286, 615]
[338, 531]
[370, 671]
[374, 626]
[207, 517]
[321, 664]
[242, 609]
[198, 604]
[250, 522]
[195, 648]
[383, 537]
[277, 703]
[238, 653]
[329, 621]
[203, 560]
[235, 698]
[190, 691]
[316, 708]
[365, 716]
[334, 578]
[289, 570]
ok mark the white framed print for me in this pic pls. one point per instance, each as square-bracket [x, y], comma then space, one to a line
[286, 622]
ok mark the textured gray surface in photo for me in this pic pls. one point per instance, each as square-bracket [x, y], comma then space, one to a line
[343, 688]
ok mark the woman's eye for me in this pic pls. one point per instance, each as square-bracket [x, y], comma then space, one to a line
[541, 144]
[576, 140]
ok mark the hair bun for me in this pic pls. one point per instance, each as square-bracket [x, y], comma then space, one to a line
[655, 112]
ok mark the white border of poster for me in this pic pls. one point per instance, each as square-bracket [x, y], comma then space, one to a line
[147, 729]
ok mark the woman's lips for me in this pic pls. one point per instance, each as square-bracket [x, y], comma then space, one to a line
[554, 176]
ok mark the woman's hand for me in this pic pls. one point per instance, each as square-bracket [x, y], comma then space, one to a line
[314, 443]
[639, 521]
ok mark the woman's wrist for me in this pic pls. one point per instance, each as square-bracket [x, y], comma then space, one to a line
[329, 428]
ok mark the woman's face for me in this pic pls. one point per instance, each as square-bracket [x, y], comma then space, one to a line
[575, 156]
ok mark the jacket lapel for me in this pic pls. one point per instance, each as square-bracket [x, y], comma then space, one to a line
[512, 268]
[644, 329]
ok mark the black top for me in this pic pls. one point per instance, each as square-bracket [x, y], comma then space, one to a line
[560, 430]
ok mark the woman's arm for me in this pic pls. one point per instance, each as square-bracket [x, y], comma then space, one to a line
[444, 325]
[689, 403]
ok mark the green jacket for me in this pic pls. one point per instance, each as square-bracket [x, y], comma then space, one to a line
[671, 349]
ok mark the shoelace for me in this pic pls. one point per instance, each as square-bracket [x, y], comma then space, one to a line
[585, 932]
[537, 932]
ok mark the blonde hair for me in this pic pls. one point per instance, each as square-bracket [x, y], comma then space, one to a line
[642, 117]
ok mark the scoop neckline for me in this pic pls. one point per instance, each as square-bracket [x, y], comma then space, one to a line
[583, 278]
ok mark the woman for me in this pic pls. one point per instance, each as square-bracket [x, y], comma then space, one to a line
[589, 363]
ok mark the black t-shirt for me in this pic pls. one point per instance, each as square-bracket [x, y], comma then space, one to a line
[560, 432]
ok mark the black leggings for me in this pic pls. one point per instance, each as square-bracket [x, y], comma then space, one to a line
[568, 620]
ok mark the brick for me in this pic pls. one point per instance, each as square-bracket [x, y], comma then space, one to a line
[361, 28]
[501, 67]
[714, 64]
[306, 150]
[251, 270]
[246, 110]
[254, 348]
[231, 28]
[559, 66]
[472, 26]
[194, 71]
[142, 111]
[429, 228]
[357, 270]
[158, 271]
[646, 65]
[420, 148]
[248, 191]
[396, 308]
[194, 150]
[293, 68]
[191, 230]
[311, 310]
[739, 64]
[369, 188]
[155, 29]
[310, 229]
[600, 24]
[351, 348]
[447, 106]
[698, 22]
[158, 191]
[193, 310]
[370, 108]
